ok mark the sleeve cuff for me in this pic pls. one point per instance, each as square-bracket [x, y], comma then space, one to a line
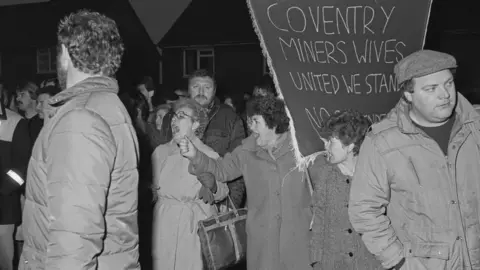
[198, 160]
[222, 191]
[392, 255]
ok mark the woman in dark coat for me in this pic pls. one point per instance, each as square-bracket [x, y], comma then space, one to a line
[335, 245]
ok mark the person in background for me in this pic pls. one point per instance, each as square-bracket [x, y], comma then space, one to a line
[162, 130]
[265, 87]
[335, 245]
[14, 155]
[7, 98]
[279, 198]
[44, 109]
[415, 191]
[160, 112]
[137, 107]
[81, 194]
[229, 101]
[27, 105]
[224, 131]
[147, 88]
[181, 93]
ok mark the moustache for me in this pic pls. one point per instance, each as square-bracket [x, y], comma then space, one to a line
[201, 96]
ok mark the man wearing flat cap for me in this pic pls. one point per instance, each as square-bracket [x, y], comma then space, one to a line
[416, 189]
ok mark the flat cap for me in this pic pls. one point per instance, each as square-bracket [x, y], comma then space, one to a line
[422, 63]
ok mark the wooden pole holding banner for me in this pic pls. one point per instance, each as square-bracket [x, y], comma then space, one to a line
[330, 55]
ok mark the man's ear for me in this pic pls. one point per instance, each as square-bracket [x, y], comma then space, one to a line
[65, 56]
[408, 96]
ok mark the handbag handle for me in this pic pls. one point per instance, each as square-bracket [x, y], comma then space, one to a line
[234, 209]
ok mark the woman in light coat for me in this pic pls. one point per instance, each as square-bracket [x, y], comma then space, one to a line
[179, 207]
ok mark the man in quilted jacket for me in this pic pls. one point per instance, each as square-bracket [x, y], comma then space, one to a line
[81, 194]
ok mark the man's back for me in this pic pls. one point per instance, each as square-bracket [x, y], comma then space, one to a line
[81, 195]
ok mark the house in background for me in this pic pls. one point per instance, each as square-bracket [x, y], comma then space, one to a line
[217, 35]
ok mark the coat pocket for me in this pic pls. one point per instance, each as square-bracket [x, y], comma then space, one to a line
[426, 256]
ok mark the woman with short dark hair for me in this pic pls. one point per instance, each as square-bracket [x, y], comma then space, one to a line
[278, 195]
[335, 245]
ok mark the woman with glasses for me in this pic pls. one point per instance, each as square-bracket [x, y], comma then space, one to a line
[179, 207]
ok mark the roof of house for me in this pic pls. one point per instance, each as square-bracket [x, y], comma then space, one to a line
[210, 22]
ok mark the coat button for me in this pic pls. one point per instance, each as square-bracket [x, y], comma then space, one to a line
[459, 238]
[453, 202]
[348, 181]
[349, 230]
[350, 254]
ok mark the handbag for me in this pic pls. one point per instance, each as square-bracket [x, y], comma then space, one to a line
[223, 238]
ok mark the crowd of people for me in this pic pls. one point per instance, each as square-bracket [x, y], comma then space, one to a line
[91, 179]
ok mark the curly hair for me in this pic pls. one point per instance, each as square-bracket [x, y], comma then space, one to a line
[93, 42]
[273, 111]
[348, 126]
[199, 113]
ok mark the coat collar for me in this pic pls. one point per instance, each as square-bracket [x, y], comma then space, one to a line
[399, 117]
[285, 145]
[89, 85]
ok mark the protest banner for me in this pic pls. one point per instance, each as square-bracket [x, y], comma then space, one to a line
[329, 55]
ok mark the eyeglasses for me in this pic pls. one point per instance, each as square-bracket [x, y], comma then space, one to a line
[181, 115]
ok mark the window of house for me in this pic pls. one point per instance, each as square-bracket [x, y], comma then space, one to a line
[47, 60]
[194, 59]
[265, 68]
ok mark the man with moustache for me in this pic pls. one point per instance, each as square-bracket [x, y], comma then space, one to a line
[225, 129]
[27, 105]
[81, 194]
[414, 195]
